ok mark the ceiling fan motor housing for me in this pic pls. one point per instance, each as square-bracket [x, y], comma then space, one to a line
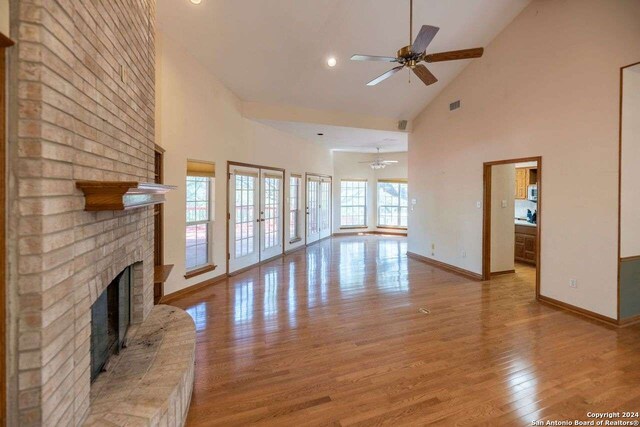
[406, 53]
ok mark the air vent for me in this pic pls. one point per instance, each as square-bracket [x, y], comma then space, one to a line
[454, 105]
[402, 125]
[424, 310]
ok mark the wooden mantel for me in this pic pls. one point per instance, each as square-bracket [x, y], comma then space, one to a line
[121, 195]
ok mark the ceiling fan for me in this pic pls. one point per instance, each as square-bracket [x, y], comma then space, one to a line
[379, 163]
[411, 56]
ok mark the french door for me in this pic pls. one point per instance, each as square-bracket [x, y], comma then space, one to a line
[325, 207]
[255, 216]
[271, 214]
[313, 195]
[318, 208]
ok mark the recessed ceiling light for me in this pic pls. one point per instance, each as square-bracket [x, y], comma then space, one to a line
[196, 1]
[331, 62]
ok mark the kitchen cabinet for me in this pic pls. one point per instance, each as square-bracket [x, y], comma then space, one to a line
[526, 244]
[524, 178]
[521, 183]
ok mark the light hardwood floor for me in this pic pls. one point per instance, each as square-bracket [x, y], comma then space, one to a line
[333, 336]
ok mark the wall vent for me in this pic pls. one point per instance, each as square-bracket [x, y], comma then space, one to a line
[454, 105]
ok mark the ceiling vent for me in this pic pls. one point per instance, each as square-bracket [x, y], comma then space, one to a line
[454, 105]
[402, 125]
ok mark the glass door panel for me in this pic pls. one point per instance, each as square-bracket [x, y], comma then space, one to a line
[244, 225]
[271, 218]
[325, 208]
[313, 226]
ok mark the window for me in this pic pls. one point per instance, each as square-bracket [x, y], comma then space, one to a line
[200, 178]
[392, 203]
[294, 208]
[353, 203]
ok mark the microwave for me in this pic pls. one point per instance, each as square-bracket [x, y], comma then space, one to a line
[532, 193]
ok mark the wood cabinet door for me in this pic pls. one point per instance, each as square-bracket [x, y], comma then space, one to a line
[521, 183]
[519, 252]
[530, 248]
[530, 244]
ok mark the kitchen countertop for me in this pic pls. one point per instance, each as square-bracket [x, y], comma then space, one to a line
[524, 222]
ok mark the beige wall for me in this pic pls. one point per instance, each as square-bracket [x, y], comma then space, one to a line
[548, 87]
[347, 166]
[4, 17]
[198, 118]
[630, 196]
[503, 189]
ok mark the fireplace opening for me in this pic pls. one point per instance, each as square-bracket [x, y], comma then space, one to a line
[110, 319]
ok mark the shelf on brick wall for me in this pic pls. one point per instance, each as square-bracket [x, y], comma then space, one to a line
[121, 195]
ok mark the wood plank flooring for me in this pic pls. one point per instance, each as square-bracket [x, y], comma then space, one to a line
[333, 335]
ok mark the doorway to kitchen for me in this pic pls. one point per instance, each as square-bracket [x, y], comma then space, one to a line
[255, 215]
[512, 220]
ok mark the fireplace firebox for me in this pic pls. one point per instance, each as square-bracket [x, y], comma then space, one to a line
[110, 319]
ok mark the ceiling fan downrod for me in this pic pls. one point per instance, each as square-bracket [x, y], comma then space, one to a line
[410, 22]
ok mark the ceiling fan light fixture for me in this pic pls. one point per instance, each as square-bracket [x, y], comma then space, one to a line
[196, 1]
[332, 61]
[412, 55]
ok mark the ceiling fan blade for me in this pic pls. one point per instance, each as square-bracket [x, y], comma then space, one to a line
[389, 162]
[373, 58]
[425, 75]
[455, 55]
[424, 38]
[385, 76]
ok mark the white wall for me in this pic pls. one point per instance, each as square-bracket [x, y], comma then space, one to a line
[198, 118]
[546, 87]
[630, 195]
[503, 188]
[347, 166]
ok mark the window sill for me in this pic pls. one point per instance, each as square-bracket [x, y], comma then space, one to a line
[390, 227]
[353, 227]
[299, 239]
[198, 271]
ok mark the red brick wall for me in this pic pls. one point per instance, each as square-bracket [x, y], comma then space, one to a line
[73, 117]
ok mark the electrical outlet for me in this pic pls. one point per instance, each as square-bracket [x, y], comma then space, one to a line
[464, 253]
[478, 204]
[573, 283]
[504, 203]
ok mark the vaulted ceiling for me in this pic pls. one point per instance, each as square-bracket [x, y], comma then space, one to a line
[275, 51]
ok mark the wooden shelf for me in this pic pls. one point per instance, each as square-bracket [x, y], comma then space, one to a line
[161, 273]
[121, 195]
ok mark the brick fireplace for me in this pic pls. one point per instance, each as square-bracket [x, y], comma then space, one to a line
[81, 107]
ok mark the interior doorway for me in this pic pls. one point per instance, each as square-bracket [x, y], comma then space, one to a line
[511, 238]
[255, 215]
[318, 208]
